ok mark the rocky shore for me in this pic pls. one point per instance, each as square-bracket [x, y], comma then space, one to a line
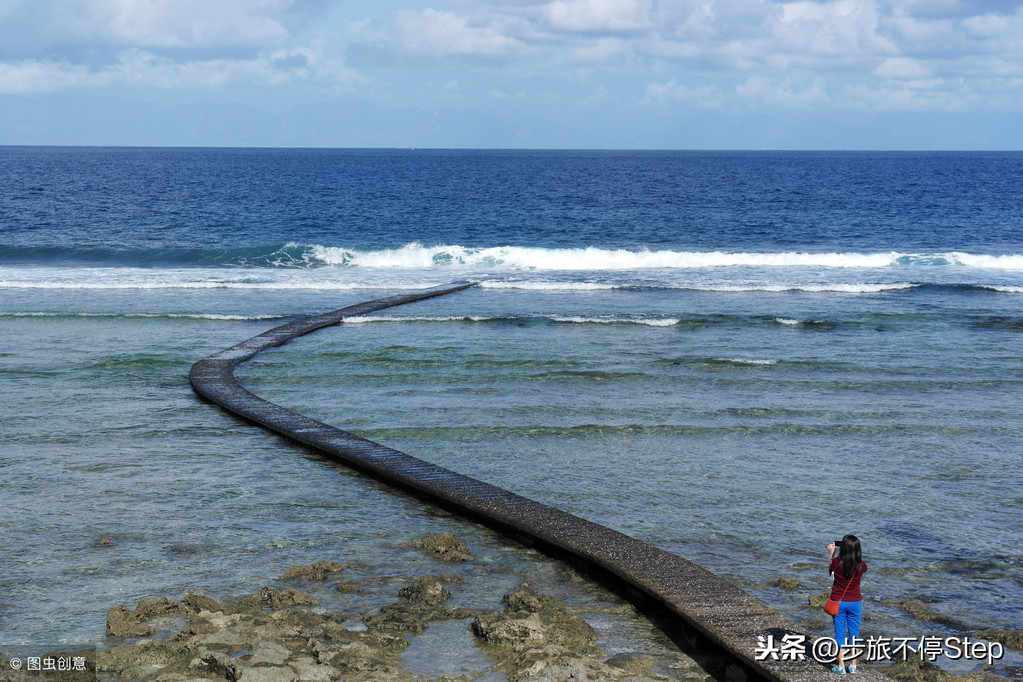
[278, 634]
[282, 633]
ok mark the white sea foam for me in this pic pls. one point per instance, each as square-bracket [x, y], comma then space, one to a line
[649, 322]
[547, 286]
[415, 255]
[785, 320]
[568, 319]
[189, 316]
[129, 278]
[747, 361]
[365, 319]
[1007, 262]
[541, 269]
[836, 287]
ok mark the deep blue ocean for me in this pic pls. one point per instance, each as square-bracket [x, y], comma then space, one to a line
[736, 356]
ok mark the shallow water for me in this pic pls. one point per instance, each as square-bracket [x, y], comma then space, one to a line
[761, 384]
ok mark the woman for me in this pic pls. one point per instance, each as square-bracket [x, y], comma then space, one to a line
[847, 566]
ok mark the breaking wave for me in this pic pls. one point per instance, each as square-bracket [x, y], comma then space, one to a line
[416, 255]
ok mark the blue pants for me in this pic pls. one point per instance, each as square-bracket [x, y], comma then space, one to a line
[848, 619]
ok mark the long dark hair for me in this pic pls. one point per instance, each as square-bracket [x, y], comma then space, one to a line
[852, 556]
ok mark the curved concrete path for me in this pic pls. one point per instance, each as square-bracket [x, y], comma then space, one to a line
[711, 609]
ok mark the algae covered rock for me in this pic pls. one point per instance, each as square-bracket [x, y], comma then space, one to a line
[444, 546]
[141, 660]
[273, 599]
[121, 621]
[510, 630]
[426, 591]
[319, 571]
[536, 638]
[915, 670]
[194, 603]
[419, 604]
[151, 608]
[817, 601]
[789, 584]
[919, 609]
[1010, 638]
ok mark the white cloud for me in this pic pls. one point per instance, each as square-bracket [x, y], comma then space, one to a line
[842, 31]
[785, 93]
[44, 27]
[600, 50]
[143, 69]
[48, 45]
[902, 68]
[930, 95]
[38, 76]
[703, 96]
[598, 16]
[436, 34]
[779, 52]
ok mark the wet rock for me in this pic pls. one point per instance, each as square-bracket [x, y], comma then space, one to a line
[194, 603]
[319, 571]
[121, 621]
[563, 627]
[1010, 638]
[181, 549]
[426, 591]
[527, 599]
[229, 642]
[139, 661]
[921, 611]
[364, 655]
[270, 598]
[504, 629]
[216, 663]
[309, 669]
[915, 670]
[536, 638]
[787, 583]
[151, 608]
[279, 674]
[419, 604]
[817, 601]
[307, 622]
[268, 653]
[82, 663]
[629, 661]
[557, 664]
[444, 546]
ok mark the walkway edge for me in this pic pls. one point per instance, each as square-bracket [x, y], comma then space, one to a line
[714, 608]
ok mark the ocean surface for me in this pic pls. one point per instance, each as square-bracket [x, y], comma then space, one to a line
[738, 357]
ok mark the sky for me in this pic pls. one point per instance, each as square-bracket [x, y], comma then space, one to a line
[605, 74]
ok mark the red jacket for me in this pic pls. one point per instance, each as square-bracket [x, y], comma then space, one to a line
[851, 588]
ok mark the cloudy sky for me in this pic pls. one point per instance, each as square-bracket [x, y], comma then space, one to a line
[874, 74]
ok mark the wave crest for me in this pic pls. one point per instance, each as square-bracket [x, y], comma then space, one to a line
[416, 255]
